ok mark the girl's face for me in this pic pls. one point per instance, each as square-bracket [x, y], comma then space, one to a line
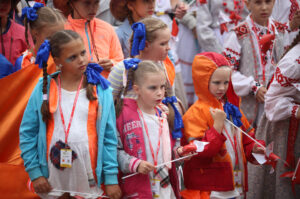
[219, 81]
[85, 9]
[40, 35]
[141, 9]
[73, 58]
[261, 10]
[151, 90]
[5, 6]
[158, 49]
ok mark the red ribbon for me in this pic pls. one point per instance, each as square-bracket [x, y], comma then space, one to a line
[266, 41]
[223, 28]
[202, 1]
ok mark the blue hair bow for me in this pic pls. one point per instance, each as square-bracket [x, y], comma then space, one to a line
[30, 12]
[139, 38]
[178, 123]
[233, 113]
[43, 53]
[131, 63]
[93, 75]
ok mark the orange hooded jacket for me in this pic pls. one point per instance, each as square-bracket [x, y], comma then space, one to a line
[211, 170]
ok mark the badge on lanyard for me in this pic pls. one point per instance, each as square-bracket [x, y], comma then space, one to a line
[66, 158]
[155, 187]
[238, 178]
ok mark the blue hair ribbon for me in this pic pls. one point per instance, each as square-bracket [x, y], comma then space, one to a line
[43, 53]
[30, 12]
[139, 38]
[233, 113]
[93, 75]
[131, 63]
[178, 123]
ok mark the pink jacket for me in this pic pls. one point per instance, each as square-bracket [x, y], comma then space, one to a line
[106, 40]
[131, 134]
[14, 41]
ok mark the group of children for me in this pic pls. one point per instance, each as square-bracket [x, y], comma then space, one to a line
[85, 136]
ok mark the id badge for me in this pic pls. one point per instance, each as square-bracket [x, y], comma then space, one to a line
[155, 187]
[238, 178]
[66, 158]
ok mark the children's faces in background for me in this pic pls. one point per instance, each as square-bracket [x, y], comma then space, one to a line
[141, 8]
[73, 58]
[40, 35]
[260, 10]
[157, 50]
[5, 6]
[85, 9]
[150, 90]
[219, 81]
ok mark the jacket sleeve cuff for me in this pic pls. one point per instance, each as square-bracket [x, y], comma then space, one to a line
[133, 165]
[295, 110]
[34, 173]
[110, 179]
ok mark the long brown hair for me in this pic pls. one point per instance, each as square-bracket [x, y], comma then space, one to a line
[294, 43]
[57, 41]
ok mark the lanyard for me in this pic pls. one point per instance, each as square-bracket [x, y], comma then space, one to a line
[234, 145]
[263, 65]
[160, 133]
[67, 131]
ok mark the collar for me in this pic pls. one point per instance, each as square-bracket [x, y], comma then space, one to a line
[127, 27]
[80, 23]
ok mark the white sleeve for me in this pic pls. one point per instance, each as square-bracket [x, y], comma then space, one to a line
[242, 84]
[280, 97]
[205, 34]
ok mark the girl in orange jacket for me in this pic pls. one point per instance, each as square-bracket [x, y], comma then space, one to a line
[220, 171]
[100, 39]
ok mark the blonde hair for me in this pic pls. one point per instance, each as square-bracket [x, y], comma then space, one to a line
[151, 26]
[46, 16]
[136, 77]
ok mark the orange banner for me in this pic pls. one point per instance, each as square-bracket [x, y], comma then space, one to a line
[15, 91]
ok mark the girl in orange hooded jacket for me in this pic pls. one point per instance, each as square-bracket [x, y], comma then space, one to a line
[220, 171]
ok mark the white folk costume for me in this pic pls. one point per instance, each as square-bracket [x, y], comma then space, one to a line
[218, 16]
[254, 65]
[187, 48]
[280, 125]
[284, 10]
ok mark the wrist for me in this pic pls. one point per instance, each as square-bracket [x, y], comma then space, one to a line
[218, 127]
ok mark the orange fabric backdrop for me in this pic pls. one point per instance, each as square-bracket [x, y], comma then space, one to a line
[15, 91]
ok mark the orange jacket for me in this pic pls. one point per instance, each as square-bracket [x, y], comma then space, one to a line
[105, 37]
[211, 170]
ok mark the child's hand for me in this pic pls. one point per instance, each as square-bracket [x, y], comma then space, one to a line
[295, 22]
[181, 152]
[41, 185]
[113, 191]
[219, 117]
[258, 149]
[145, 167]
[180, 10]
[106, 64]
[260, 95]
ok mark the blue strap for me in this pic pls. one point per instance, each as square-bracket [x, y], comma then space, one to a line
[30, 13]
[93, 75]
[233, 113]
[43, 53]
[178, 123]
[139, 38]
